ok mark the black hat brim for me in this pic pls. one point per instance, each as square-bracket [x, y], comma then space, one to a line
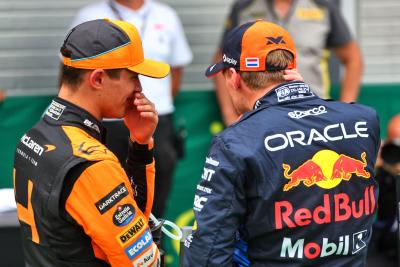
[214, 69]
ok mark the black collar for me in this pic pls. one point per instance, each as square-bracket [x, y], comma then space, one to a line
[63, 112]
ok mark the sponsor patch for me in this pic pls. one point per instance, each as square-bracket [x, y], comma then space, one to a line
[252, 62]
[111, 198]
[207, 174]
[298, 114]
[229, 60]
[293, 91]
[188, 241]
[199, 202]
[334, 208]
[204, 189]
[211, 161]
[55, 110]
[299, 248]
[331, 133]
[139, 245]
[359, 241]
[32, 144]
[147, 257]
[133, 229]
[326, 169]
[92, 125]
[310, 14]
[123, 215]
[27, 157]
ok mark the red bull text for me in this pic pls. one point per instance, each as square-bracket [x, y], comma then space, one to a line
[335, 208]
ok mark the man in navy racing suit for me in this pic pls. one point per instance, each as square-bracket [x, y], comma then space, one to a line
[293, 177]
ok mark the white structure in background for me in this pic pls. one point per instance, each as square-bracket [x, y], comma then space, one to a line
[32, 31]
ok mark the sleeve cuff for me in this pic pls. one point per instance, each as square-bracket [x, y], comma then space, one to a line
[140, 153]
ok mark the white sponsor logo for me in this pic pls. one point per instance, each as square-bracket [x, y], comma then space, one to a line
[311, 250]
[141, 244]
[92, 125]
[298, 114]
[333, 132]
[31, 144]
[257, 105]
[204, 189]
[207, 174]
[293, 91]
[27, 157]
[199, 202]
[212, 67]
[359, 241]
[229, 60]
[55, 110]
[147, 257]
[188, 241]
[123, 213]
[116, 196]
[212, 162]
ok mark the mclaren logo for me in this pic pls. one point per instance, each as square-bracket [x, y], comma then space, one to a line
[34, 146]
[49, 148]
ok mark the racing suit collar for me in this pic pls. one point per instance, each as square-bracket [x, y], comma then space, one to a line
[284, 93]
[63, 112]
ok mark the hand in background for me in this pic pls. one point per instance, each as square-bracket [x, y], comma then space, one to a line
[141, 119]
[2, 95]
[292, 75]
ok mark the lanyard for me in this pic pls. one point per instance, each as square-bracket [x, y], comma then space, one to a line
[118, 15]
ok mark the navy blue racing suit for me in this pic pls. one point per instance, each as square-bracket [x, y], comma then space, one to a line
[294, 178]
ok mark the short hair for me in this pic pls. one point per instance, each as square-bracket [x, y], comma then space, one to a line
[278, 59]
[73, 76]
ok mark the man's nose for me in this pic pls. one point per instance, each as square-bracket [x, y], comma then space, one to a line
[138, 86]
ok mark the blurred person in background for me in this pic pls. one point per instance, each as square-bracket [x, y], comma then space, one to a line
[163, 40]
[387, 173]
[316, 25]
[3, 95]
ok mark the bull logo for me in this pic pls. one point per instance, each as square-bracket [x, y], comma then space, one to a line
[326, 169]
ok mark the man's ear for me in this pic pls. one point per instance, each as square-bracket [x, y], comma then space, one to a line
[238, 80]
[233, 77]
[96, 78]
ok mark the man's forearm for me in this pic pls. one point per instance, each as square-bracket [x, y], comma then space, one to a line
[351, 58]
[140, 170]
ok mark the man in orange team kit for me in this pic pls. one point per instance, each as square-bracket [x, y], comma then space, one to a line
[76, 204]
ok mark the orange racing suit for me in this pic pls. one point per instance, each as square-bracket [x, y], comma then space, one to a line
[77, 206]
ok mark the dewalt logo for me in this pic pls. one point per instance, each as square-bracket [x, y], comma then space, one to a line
[134, 229]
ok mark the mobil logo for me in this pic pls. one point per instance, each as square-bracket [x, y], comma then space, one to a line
[326, 169]
[344, 245]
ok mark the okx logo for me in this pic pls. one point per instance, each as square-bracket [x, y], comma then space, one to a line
[277, 40]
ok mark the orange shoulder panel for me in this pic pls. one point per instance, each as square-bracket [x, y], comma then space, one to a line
[86, 146]
[102, 202]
